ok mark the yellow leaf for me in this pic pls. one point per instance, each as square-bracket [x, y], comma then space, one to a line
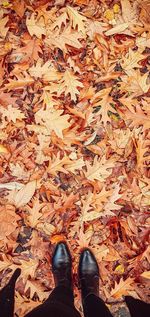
[109, 14]
[116, 8]
[3, 149]
[77, 20]
[119, 269]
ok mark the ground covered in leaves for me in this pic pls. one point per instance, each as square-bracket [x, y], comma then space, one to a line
[74, 142]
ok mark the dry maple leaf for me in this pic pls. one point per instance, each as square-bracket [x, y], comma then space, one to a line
[12, 114]
[77, 20]
[122, 288]
[36, 27]
[100, 170]
[52, 119]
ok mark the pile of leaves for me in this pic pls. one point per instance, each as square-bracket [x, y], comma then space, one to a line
[75, 142]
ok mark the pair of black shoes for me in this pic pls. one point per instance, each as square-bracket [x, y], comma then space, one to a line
[88, 271]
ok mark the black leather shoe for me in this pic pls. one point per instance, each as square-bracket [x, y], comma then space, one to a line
[62, 265]
[88, 273]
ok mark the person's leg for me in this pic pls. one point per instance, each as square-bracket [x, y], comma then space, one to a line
[7, 296]
[95, 306]
[137, 307]
[60, 303]
[88, 273]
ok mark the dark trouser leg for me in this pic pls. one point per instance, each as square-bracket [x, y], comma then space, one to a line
[60, 303]
[137, 307]
[7, 296]
[95, 306]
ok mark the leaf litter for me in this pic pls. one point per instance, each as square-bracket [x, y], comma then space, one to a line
[75, 142]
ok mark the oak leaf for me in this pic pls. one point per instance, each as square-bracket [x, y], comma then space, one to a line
[20, 82]
[28, 268]
[65, 39]
[122, 288]
[34, 213]
[136, 83]
[45, 71]
[53, 119]
[61, 20]
[3, 28]
[75, 165]
[8, 220]
[111, 205]
[100, 170]
[146, 274]
[12, 114]
[23, 196]
[36, 27]
[5, 264]
[77, 20]
[56, 164]
[102, 98]
[35, 288]
[131, 60]
[69, 84]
